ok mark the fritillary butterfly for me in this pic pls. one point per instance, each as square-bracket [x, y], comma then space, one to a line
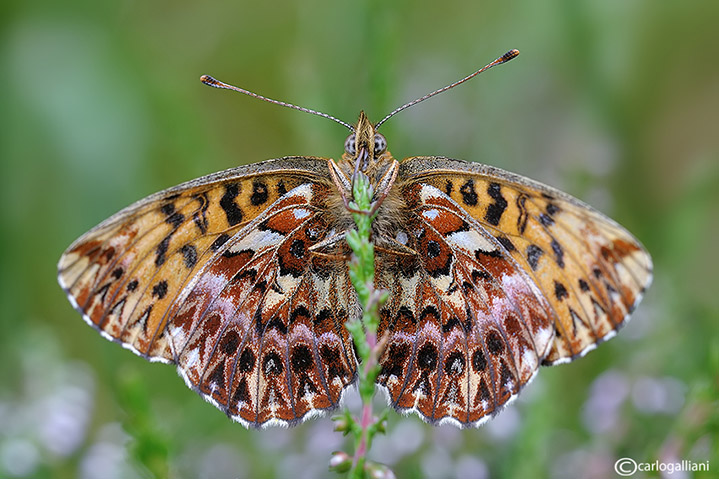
[240, 278]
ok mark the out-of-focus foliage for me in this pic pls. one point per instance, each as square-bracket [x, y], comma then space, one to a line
[614, 101]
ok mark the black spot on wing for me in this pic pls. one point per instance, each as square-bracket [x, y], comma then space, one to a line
[427, 357]
[331, 357]
[560, 292]
[483, 394]
[260, 286]
[259, 193]
[246, 273]
[437, 258]
[534, 252]
[277, 324]
[479, 360]
[301, 358]
[297, 249]
[429, 311]
[423, 384]
[482, 275]
[257, 321]
[448, 187]
[505, 377]
[405, 318]
[217, 244]
[495, 343]
[242, 393]
[508, 245]
[469, 196]
[321, 317]
[173, 217]
[189, 253]
[247, 360]
[454, 364]
[229, 343]
[217, 377]
[496, 209]
[227, 203]
[453, 322]
[161, 250]
[102, 291]
[298, 313]
[480, 254]
[143, 318]
[247, 253]
[397, 355]
[160, 289]
[433, 249]
[558, 253]
[546, 220]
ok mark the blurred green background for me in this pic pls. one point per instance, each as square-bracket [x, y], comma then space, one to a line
[614, 101]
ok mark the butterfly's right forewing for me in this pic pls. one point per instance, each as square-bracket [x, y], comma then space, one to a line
[591, 270]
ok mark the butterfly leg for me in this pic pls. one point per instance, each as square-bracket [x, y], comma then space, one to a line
[330, 256]
[392, 246]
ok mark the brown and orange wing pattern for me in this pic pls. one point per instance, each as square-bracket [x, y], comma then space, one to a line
[467, 325]
[215, 276]
[509, 273]
[591, 270]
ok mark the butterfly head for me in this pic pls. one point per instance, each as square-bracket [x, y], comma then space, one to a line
[366, 151]
[365, 144]
[365, 154]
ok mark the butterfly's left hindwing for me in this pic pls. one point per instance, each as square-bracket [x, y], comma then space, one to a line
[259, 331]
[206, 275]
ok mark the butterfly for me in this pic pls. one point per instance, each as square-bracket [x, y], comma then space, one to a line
[240, 279]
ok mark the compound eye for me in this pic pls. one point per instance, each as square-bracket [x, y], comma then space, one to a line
[380, 144]
[350, 146]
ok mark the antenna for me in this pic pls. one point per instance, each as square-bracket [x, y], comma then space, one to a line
[503, 59]
[209, 81]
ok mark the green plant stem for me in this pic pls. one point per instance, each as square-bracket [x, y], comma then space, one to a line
[364, 331]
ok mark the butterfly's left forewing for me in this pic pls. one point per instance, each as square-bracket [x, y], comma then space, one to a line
[196, 274]
[125, 272]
